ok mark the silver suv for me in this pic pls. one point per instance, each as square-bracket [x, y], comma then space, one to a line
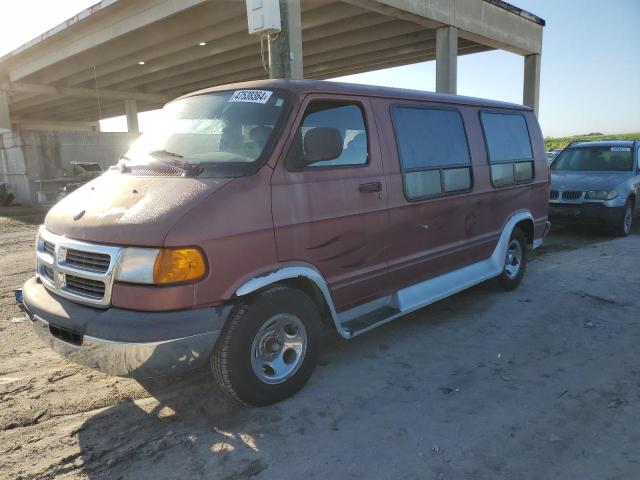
[596, 183]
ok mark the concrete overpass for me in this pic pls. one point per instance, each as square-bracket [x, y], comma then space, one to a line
[125, 56]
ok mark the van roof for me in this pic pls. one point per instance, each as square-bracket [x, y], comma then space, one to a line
[323, 86]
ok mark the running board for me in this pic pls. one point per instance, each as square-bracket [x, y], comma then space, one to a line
[370, 320]
[406, 300]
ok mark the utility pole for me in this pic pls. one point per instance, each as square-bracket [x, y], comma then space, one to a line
[285, 47]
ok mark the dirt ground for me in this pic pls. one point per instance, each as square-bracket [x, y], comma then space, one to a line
[539, 383]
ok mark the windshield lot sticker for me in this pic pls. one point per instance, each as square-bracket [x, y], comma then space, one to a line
[250, 96]
[620, 149]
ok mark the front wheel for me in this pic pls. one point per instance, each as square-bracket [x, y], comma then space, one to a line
[268, 348]
[515, 261]
[623, 228]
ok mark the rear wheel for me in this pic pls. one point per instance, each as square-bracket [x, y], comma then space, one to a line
[268, 348]
[515, 261]
[623, 228]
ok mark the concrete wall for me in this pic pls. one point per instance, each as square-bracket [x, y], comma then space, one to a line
[32, 161]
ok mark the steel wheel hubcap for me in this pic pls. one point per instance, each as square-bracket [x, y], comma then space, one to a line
[278, 348]
[513, 261]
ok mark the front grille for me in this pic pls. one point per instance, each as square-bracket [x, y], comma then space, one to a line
[49, 247]
[78, 271]
[95, 262]
[554, 194]
[571, 195]
[84, 286]
[47, 272]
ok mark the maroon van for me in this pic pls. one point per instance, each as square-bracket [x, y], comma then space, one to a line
[257, 213]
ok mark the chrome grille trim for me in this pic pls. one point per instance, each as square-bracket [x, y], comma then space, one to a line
[98, 262]
[554, 194]
[84, 272]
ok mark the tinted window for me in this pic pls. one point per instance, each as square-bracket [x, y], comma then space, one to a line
[507, 137]
[508, 148]
[348, 119]
[430, 138]
[433, 150]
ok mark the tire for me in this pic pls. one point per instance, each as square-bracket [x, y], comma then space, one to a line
[515, 261]
[280, 327]
[623, 227]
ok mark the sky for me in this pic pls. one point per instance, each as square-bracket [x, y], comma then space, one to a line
[590, 80]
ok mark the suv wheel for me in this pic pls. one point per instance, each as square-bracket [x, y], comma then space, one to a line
[515, 261]
[624, 224]
[268, 348]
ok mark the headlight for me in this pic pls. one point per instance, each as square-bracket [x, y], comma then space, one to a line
[601, 195]
[136, 265]
[161, 266]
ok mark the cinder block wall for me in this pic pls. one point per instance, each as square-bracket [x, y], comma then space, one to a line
[32, 161]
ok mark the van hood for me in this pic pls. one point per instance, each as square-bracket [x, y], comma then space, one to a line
[121, 209]
[585, 181]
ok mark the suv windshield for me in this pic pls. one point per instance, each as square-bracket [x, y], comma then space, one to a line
[594, 159]
[229, 131]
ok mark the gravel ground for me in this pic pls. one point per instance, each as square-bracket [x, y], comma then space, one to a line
[539, 383]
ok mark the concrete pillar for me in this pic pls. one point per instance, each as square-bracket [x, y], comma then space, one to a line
[5, 120]
[131, 109]
[447, 60]
[531, 88]
[285, 51]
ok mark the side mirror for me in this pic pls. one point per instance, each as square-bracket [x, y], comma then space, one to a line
[321, 144]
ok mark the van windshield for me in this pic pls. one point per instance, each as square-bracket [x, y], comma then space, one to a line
[231, 129]
[594, 159]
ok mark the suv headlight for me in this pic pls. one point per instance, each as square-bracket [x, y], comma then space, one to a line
[601, 195]
[161, 266]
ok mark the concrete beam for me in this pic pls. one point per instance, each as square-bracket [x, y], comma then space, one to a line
[77, 92]
[131, 112]
[393, 12]
[93, 30]
[447, 60]
[5, 119]
[480, 21]
[285, 51]
[531, 87]
[48, 125]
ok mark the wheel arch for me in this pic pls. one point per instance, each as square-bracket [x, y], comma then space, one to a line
[306, 279]
[527, 227]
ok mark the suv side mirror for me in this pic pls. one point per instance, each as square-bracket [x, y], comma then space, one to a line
[321, 144]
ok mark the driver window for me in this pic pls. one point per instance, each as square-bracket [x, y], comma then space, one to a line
[348, 119]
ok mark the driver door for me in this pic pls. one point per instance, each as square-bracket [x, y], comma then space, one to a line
[332, 214]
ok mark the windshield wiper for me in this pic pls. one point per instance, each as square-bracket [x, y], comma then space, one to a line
[175, 160]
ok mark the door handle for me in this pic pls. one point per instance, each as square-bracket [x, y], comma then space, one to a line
[370, 187]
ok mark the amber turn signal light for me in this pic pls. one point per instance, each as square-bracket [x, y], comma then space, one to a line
[175, 265]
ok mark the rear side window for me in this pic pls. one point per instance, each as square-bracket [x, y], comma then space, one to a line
[348, 119]
[433, 150]
[509, 148]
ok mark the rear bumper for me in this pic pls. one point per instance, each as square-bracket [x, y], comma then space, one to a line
[585, 214]
[123, 342]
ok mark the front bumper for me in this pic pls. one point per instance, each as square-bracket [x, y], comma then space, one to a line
[587, 213]
[124, 342]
